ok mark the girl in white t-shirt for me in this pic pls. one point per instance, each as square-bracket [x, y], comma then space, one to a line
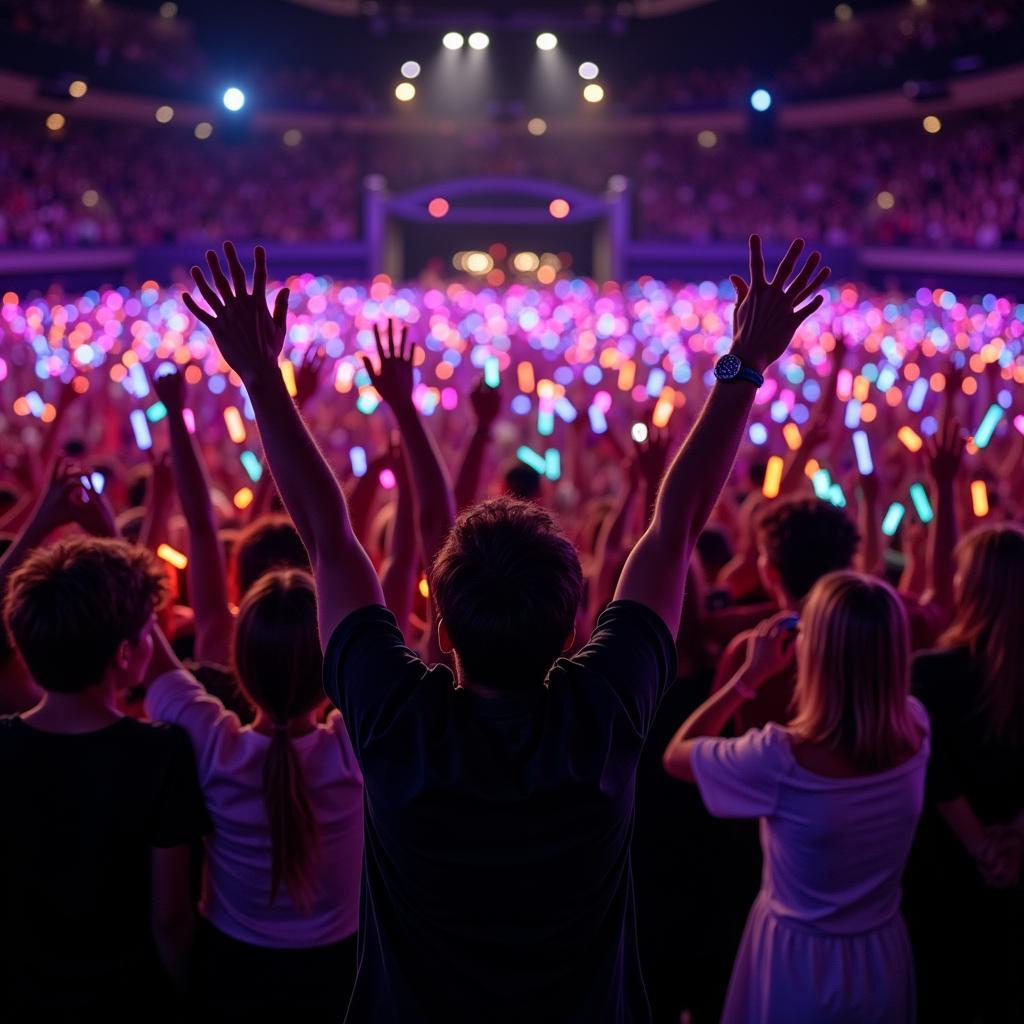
[281, 885]
[839, 791]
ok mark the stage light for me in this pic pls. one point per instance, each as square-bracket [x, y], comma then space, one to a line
[478, 262]
[405, 91]
[559, 209]
[233, 98]
[90, 197]
[886, 200]
[410, 69]
[292, 137]
[453, 41]
[536, 126]
[932, 125]
[479, 41]
[593, 93]
[55, 122]
[588, 70]
[843, 12]
[547, 41]
[707, 139]
[164, 114]
[526, 262]
[77, 89]
[761, 100]
[168, 9]
[438, 207]
[546, 275]
[203, 130]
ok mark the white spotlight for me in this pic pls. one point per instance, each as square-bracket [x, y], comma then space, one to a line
[479, 41]
[234, 98]
[588, 70]
[410, 69]
[452, 41]
[761, 100]
[547, 41]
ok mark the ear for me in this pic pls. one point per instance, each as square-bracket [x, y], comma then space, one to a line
[569, 641]
[444, 641]
[123, 655]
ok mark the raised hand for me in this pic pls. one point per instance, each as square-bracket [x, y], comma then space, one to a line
[394, 377]
[307, 374]
[770, 649]
[93, 513]
[767, 313]
[63, 495]
[170, 389]
[651, 455]
[944, 450]
[486, 402]
[248, 335]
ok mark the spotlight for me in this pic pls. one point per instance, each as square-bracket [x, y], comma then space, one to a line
[536, 126]
[588, 70]
[233, 98]
[410, 69]
[761, 100]
[453, 41]
[547, 41]
[593, 93]
[479, 41]
[405, 91]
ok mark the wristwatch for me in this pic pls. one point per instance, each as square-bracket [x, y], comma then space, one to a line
[730, 367]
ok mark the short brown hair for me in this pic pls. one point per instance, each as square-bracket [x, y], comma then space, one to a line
[71, 604]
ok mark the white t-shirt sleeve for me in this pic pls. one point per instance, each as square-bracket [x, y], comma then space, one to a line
[178, 697]
[739, 778]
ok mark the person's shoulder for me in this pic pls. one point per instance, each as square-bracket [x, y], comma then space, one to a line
[161, 738]
[633, 620]
[942, 674]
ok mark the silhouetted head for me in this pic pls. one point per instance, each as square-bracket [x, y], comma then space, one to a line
[523, 482]
[507, 585]
[271, 542]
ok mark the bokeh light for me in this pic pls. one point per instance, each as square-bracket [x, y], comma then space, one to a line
[547, 41]
[559, 209]
[707, 139]
[885, 200]
[438, 207]
[411, 69]
[593, 93]
[203, 130]
[761, 100]
[233, 98]
[77, 89]
[164, 114]
[932, 125]
[453, 41]
[479, 40]
[292, 137]
[55, 122]
[405, 91]
[536, 126]
[588, 70]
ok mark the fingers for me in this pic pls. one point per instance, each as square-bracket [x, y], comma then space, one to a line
[756, 261]
[819, 279]
[197, 311]
[741, 286]
[811, 308]
[368, 366]
[259, 271]
[788, 262]
[797, 285]
[211, 297]
[407, 345]
[217, 273]
[280, 314]
[380, 344]
[236, 268]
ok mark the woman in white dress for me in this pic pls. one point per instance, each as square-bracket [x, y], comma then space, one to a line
[839, 791]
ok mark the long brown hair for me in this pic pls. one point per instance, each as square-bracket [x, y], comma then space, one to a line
[989, 621]
[278, 661]
[853, 676]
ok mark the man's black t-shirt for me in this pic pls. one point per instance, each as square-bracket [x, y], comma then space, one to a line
[79, 816]
[496, 877]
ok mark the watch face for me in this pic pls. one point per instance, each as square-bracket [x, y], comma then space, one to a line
[728, 367]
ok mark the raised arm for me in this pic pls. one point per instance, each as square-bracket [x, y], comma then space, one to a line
[399, 569]
[432, 492]
[207, 584]
[486, 402]
[250, 339]
[765, 320]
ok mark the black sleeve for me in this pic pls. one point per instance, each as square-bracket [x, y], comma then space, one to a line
[930, 684]
[632, 651]
[178, 814]
[369, 671]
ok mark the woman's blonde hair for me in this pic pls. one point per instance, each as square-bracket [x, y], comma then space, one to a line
[853, 677]
[989, 621]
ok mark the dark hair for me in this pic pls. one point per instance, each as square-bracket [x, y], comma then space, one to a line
[279, 665]
[6, 649]
[522, 482]
[508, 585]
[804, 539]
[271, 542]
[73, 603]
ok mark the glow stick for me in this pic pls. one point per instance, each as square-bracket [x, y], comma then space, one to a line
[638, 432]
[243, 497]
[190, 420]
[627, 375]
[836, 496]
[791, 432]
[387, 478]
[862, 448]
[655, 382]
[545, 419]
[552, 464]
[917, 395]
[367, 401]
[811, 468]
[910, 438]
[664, 409]
[979, 498]
[343, 377]
[172, 556]
[984, 433]
[140, 428]
[566, 410]
[598, 424]
[844, 384]
[424, 587]
[852, 417]
[233, 421]
[140, 385]
[772, 477]
[1018, 422]
[537, 462]
[357, 457]
[156, 412]
[822, 483]
[288, 372]
[35, 403]
[252, 465]
[886, 378]
[524, 374]
[99, 481]
[923, 507]
[892, 519]
[492, 374]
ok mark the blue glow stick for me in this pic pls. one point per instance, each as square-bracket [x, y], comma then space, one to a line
[532, 459]
[655, 382]
[99, 481]
[545, 422]
[822, 484]
[140, 385]
[598, 424]
[552, 464]
[492, 376]
[865, 464]
[357, 456]
[140, 428]
[836, 496]
[35, 403]
[252, 465]
[566, 410]
[917, 395]
[886, 378]
[893, 518]
[367, 402]
[156, 412]
[984, 433]
[923, 507]
[852, 418]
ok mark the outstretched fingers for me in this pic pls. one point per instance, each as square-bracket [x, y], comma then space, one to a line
[797, 285]
[756, 262]
[812, 286]
[197, 311]
[259, 271]
[788, 262]
[380, 343]
[211, 297]
[408, 348]
[218, 275]
[236, 268]
[812, 307]
[741, 286]
[281, 309]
